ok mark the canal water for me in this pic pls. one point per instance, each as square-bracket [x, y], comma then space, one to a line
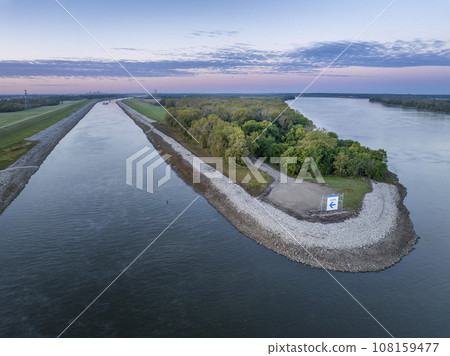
[77, 225]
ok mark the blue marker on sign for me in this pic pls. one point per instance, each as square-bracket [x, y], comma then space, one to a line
[332, 202]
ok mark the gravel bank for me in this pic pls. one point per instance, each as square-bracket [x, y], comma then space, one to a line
[377, 238]
[15, 177]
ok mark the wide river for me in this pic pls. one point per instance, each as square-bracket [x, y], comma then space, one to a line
[77, 225]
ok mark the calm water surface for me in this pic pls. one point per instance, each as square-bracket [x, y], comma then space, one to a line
[77, 224]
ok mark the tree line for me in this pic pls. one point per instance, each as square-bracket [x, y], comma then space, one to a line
[442, 106]
[240, 127]
[18, 104]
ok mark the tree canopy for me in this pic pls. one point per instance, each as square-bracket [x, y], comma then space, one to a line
[238, 127]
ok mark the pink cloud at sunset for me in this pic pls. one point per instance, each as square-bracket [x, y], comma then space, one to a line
[350, 79]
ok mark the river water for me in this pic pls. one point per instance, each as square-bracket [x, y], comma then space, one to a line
[77, 225]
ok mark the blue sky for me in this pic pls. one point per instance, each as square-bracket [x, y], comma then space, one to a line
[225, 46]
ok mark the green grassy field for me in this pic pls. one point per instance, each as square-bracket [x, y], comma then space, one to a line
[12, 136]
[154, 112]
[9, 118]
[353, 189]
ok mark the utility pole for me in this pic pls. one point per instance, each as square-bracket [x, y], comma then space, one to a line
[26, 103]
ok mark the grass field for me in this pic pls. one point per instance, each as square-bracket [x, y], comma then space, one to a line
[10, 118]
[353, 189]
[143, 107]
[21, 125]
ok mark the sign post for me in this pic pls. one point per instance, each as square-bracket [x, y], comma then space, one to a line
[332, 202]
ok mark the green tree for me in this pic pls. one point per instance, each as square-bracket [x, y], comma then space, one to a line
[240, 115]
[236, 146]
[341, 163]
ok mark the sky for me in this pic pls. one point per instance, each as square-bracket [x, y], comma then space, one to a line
[225, 46]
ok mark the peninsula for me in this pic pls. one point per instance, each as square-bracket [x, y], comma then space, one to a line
[371, 233]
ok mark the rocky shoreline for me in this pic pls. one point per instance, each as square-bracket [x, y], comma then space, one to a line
[14, 178]
[378, 237]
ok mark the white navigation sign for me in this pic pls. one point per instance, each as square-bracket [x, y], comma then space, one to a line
[332, 202]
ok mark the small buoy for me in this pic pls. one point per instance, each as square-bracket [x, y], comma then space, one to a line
[167, 202]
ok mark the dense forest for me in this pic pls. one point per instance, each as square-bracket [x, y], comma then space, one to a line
[442, 106]
[18, 104]
[228, 127]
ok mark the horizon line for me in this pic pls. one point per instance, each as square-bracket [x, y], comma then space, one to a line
[228, 93]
